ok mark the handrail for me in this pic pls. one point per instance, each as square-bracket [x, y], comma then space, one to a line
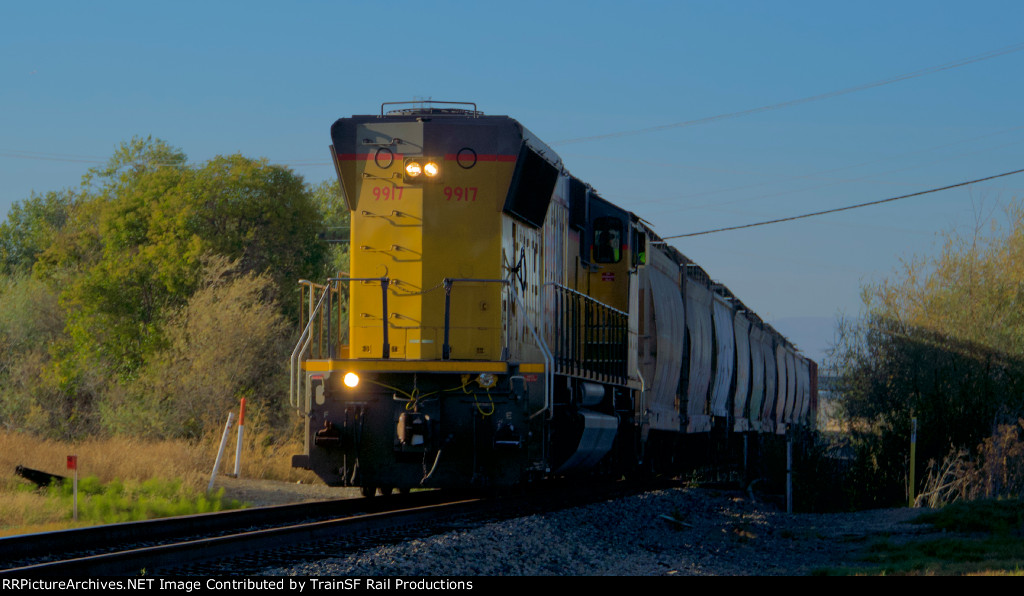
[549, 362]
[579, 294]
[316, 334]
[593, 337]
[305, 338]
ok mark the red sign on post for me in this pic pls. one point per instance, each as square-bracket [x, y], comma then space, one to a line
[72, 462]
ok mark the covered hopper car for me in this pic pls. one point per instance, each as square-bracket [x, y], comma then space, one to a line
[501, 322]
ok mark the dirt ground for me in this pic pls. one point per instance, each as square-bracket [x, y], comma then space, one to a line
[263, 493]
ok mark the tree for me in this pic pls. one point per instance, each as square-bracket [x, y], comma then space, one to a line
[941, 342]
[31, 320]
[154, 222]
[334, 217]
[227, 342]
[31, 227]
[128, 253]
[261, 214]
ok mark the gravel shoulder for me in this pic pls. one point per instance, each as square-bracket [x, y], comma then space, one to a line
[678, 531]
[265, 493]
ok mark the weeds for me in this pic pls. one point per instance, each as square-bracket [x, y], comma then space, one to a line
[994, 469]
[991, 543]
[114, 471]
[116, 501]
[995, 516]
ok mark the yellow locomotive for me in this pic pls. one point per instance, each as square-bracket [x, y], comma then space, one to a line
[501, 322]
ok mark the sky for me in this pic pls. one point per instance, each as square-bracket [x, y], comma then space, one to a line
[658, 105]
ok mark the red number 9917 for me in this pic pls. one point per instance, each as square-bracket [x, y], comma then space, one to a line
[387, 193]
[460, 193]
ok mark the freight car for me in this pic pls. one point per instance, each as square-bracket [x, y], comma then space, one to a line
[502, 322]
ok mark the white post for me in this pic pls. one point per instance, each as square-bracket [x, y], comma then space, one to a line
[238, 448]
[220, 452]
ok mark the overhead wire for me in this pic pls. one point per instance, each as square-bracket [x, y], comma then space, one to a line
[899, 78]
[847, 208]
[777, 106]
[17, 154]
[811, 176]
[50, 157]
[717, 206]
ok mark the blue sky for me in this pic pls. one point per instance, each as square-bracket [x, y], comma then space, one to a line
[268, 79]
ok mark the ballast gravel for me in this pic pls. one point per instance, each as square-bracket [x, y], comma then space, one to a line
[680, 531]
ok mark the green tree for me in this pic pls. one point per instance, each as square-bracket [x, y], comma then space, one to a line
[128, 255]
[227, 342]
[31, 227]
[258, 213]
[942, 342]
[154, 220]
[334, 217]
[131, 161]
[30, 321]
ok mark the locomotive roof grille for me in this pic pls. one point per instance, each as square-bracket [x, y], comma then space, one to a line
[420, 108]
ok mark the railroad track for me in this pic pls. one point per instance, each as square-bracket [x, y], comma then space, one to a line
[128, 548]
[249, 541]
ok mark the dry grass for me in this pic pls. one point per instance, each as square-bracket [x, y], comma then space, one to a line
[23, 509]
[108, 459]
[994, 470]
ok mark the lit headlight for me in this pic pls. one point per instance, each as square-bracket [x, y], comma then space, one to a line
[351, 380]
[422, 169]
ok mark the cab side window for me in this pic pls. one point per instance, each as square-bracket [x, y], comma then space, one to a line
[607, 240]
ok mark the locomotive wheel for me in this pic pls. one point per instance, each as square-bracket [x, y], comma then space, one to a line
[386, 490]
[368, 491]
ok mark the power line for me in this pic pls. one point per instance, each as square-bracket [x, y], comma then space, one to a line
[17, 154]
[912, 75]
[64, 157]
[49, 157]
[904, 77]
[812, 176]
[847, 208]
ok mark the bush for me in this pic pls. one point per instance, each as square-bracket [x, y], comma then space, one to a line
[959, 392]
[230, 341]
[942, 342]
[995, 469]
[31, 324]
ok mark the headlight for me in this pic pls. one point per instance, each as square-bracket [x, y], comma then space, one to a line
[351, 380]
[422, 169]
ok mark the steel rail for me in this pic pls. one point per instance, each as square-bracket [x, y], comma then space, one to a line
[152, 559]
